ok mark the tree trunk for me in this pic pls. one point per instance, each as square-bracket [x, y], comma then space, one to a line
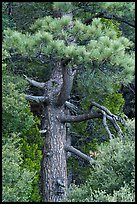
[54, 167]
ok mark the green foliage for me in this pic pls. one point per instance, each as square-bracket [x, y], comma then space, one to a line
[63, 6]
[121, 8]
[25, 13]
[18, 119]
[130, 130]
[101, 87]
[6, 20]
[5, 55]
[15, 108]
[97, 87]
[113, 177]
[103, 43]
[107, 59]
[77, 194]
[16, 180]
[116, 164]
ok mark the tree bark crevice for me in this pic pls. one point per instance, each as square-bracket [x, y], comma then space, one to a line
[55, 170]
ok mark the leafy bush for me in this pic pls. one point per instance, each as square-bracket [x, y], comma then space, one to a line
[18, 119]
[16, 180]
[115, 166]
[113, 178]
[77, 194]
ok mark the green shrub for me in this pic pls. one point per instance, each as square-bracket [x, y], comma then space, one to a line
[16, 180]
[116, 162]
[77, 194]
[18, 119]
[113, 178]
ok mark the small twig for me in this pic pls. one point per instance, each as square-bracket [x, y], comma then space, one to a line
[71, 106]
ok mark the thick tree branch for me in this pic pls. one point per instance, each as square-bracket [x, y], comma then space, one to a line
[79, 118]
[67, 72]
[37, 99]
[65, 62]
[35, 83]
[120, 20]
[68, 76]
[79, 153]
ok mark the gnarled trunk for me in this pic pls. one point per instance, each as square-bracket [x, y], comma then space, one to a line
[54, 168]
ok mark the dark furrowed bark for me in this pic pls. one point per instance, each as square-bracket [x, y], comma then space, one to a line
[54, 167]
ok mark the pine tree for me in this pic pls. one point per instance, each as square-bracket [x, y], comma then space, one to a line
[65, 44]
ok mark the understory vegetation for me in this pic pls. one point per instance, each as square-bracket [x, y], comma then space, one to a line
[113, 177]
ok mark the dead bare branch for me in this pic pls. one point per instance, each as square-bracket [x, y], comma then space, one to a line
[79, 118]
[105, 124]
[35, 83]
[79, 153]
[37, 99]
[103, 108]
[112, 117]
[115, 124]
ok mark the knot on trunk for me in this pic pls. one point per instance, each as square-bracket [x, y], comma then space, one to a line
[60, 186]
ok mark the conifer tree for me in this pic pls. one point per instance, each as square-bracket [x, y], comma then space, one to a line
[65, 44]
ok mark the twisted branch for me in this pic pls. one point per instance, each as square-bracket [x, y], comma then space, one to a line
[103, 112]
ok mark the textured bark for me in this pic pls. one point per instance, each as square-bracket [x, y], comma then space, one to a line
[54, 167]
[68, 76]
